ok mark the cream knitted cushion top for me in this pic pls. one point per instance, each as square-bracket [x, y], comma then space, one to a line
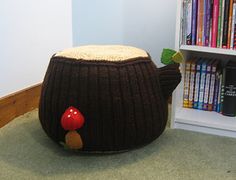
[103, 52]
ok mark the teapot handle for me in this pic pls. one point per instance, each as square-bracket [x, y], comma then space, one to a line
[169, 77]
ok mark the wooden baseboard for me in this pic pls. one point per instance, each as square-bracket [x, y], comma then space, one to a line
[18, 103]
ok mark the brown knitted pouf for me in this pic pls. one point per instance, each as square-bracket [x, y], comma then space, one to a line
[105, 98]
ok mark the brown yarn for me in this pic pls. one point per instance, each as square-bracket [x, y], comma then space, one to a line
[124, 103]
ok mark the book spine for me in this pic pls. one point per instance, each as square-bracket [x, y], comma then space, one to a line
[215, 98]
[200, 22]
[211, 15]
[202, 86]
[212, 88]
[204, 22]
[219, 23]
[189, 23]
[233, 26]
[207, 22]
[192, 83]
[197, 85]
[194, 21]
[184, 22]
[220, 94]
[225, 28]
[234, 46]
[222, 22]
[207, 86]
[186, 85]
[229, 94]
[215, 23]
[230, 24]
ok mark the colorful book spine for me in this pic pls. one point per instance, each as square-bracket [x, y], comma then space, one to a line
[233, 25]
[202, 85]
[207, 85]
[192, 83]
[234, 46]
[226, 22]
[219, 23]
[200, 22]
[197, 84]
[212, 85]
[186, 84]
[220, 94]
[204, 22]
[230, 23]
[189, 23]
[222, 23]
[216, 89]
[215, 23]
[211, 15]
[194, 21]
[207, 21]
[184, 23]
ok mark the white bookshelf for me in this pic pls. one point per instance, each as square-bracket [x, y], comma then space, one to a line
[192, 119]
[203, 49]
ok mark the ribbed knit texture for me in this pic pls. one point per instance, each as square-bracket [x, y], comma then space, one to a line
[123, 103]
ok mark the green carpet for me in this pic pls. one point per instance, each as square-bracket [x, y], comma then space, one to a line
[27, 153]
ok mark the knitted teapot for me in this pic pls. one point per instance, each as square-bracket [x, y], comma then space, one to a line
[105, 98]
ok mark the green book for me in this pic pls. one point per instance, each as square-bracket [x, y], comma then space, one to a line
[219, 23]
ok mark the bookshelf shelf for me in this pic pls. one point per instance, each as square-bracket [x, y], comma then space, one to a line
[208, 50]
[192, 119]
[207, 119]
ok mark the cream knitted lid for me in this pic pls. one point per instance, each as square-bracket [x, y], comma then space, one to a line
[103, 52]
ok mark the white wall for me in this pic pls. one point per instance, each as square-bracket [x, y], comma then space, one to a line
[30, 33]
[148, 24]
[97, 22]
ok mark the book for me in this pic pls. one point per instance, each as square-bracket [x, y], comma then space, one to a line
[219, 23]
[216, 91]
[234, 46]
[186, 84]
[229, 103]
[202, 84]
[222, 23]
[215, 23]
[230, 23]
[184, 23]
[212, 85]
[233, 26]
[189, 22]
[207, 85]
[207, 22]
[192, 83]
[211, 23]
[200, 22]
[225, 25]
[220, 93]
[194, 21]
[197, 84]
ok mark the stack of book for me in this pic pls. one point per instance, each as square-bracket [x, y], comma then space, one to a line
[209, 23]
[202, 85]
[207, 84]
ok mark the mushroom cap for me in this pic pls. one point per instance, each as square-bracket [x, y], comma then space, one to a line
[72, 119]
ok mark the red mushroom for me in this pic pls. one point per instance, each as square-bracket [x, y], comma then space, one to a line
[71, 120]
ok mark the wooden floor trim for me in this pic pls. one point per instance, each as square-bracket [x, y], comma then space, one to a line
[19, 103]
